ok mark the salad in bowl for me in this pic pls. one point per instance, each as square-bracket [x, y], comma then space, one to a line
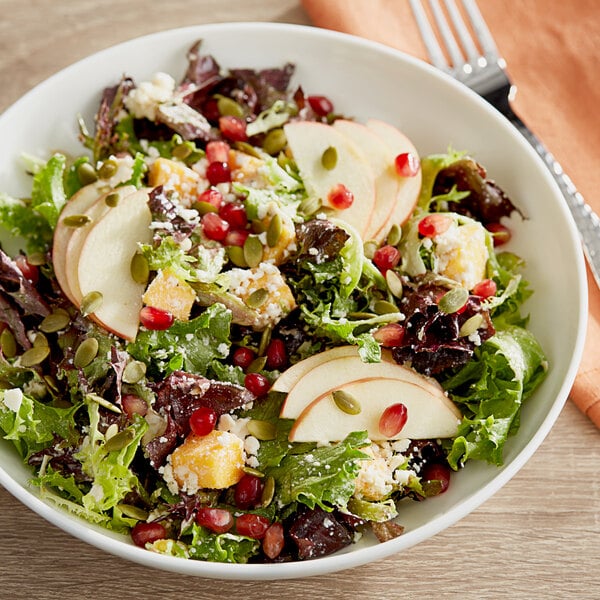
[243, 327]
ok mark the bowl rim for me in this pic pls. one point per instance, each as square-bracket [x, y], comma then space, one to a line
[341, 560]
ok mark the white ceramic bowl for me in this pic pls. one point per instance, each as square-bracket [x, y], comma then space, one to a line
[365, 80]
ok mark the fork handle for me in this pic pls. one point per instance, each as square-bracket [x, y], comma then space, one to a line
[586, 220]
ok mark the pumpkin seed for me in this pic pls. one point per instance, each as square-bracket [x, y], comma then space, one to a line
[76, 221]
[119, 440]
[329, 158]
[383, 307]
[40, 340]
[268, 492]
[309, 206]
[112, 430]
[86, 173]
[134, 371]
[90, 303]
[252, 471]
[140, 270]
[346, 402]
[257, 298]
[55, 321]
[86, 352]
[133, 512]
[182, 151]
[394, 235]
[108, 168]
[369, 248]
[8, 343]
[471, 325]
[274, 141]
[236, 256]
[394, 283]
[253, 251]
[257, 365]
[205, 207]
[265, 339]
[34, 356]
[229, 107]
[262, 430]
[51, 384]
[359, 315]
[247, 148]
[112, 199]
[104, 403]
[36, 259]
[274, 231]
[258, 226]
[453, 300]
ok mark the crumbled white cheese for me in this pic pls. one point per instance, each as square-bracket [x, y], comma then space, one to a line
[143, 101]
[13, 399]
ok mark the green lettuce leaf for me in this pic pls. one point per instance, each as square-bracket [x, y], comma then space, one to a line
[224, 547]
[48, 193]
[19, 220]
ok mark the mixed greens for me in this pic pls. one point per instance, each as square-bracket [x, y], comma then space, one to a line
[165, 419]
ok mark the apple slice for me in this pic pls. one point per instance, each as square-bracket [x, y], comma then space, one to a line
[410, 187]
[431, 414]
[105, 263]
[307, 141]
[339, 371]
[387, 181]
[95, 212]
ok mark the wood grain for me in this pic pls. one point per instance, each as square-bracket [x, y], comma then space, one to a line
[539, 537]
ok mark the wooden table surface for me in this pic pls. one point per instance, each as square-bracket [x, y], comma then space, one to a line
[539, 537]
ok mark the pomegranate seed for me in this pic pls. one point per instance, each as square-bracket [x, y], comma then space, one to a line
[485, 288]
[276, 354]
[386, 257]
[274, 540]
[211, 196]
[233, 128]
[147, 533]
[340, 197]
[217, 151]
[437, 472]
[393, 419]
[407, 164]
[321, 105]
[29, 271]
[156, 319]
[217, 520]
[236, 238]
[248, 491]
[234, 214]
[214, 227]
[434, 224]
[133, 405]
[211, 110]
[500, 233]
[218, 172]
[390, 335]
[243, 357]
[252, 526]
[203, 420]
[257, 384]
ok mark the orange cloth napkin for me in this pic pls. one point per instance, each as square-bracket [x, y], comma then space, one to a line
[551, 48]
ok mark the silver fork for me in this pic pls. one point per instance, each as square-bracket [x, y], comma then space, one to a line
[485, 74]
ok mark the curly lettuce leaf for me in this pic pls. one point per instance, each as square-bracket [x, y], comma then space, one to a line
[490, 389]
[48, 193]
[19, 220]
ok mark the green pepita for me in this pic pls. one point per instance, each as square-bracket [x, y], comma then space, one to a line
[265, 340]
[51, 384]
[394, 235]
[453, 300]
[346, 402]
[257, 298]
[262, 430]
[329, 158]
[119, 440]
[309, 206]
[40, 340]
[252, 471]
[182, 151]
[112, 199]
[274, 141]
[229, 107]
[394, 283]
[253, 251]
[76, 221]
[8, 343]
[360, 315]
[55, 321]
[102, 402]
[140, 269]
[247, 148]
[205, 207]
[257, 365]
[258, 226]
[268, 492]
[86, 173]
[471, 325]
[274, 231]
[369, 248]
[383, 307]
[133, 512]
[90, 303]
[108, 168]
[36, 259]
[236, 256]
[34, 356]
[86, 352]
[134, 371]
